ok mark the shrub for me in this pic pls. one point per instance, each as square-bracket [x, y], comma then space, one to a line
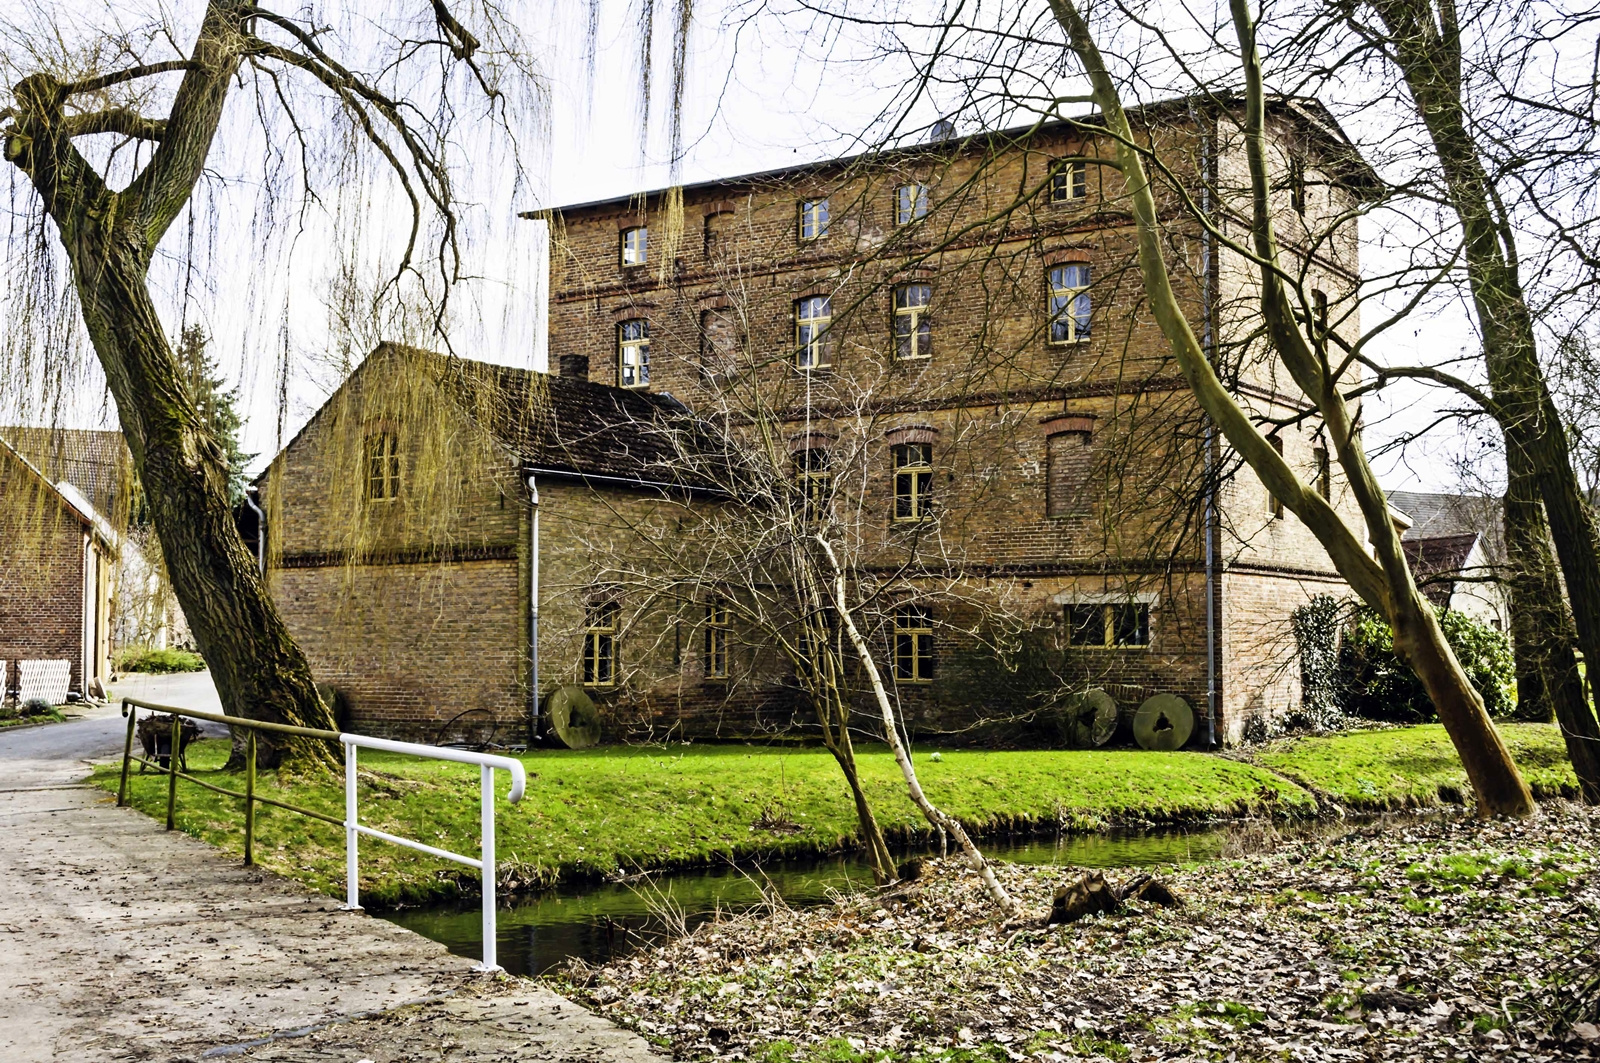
[1374, 683]
[1316, 627]
[159, 662]
[37, 707]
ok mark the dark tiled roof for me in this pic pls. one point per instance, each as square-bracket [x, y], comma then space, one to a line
[572, 426]
[96, 463]
[1437, 561]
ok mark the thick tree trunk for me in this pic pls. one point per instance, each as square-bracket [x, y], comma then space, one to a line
[259, 672]
[882, 860]
[1428, 51]
[1382, 577]
[110, 238]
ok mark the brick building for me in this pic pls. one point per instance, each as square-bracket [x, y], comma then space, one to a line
[57, 558]
[966, 321]
[950, 340]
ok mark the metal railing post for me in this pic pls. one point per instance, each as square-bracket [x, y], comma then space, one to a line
[486, 819]
[172, 769]
[250, 799]
[352, 886]
[127, 753]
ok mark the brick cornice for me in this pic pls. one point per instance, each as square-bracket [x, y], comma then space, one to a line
[420, 556]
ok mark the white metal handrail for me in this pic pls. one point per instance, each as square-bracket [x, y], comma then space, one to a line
[353, 829]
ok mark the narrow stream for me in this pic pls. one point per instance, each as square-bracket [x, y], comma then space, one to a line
[598, 922]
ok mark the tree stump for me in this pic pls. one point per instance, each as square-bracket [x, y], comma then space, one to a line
[1091, 893]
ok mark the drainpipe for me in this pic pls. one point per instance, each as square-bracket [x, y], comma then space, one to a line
[533, 611]
[1208, 341]
[261, 529]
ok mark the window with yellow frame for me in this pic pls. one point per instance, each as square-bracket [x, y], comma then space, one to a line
[600, 643]
[913, 644]
[715, 660]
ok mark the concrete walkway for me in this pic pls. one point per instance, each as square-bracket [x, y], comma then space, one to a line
[120, 941]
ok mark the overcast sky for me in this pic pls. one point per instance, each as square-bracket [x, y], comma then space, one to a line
[752, 102]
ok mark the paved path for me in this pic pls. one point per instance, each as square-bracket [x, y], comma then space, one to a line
[120, 941]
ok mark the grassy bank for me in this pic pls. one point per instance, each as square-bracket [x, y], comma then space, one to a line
[1412, 766]
[595, 812]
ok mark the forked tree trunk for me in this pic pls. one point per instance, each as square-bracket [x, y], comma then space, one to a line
[110, 239]
[1384, 580]
[882, 860]
[936, 816]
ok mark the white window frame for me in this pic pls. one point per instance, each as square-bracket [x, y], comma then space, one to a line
[635, 249]
[633, 354]
[1068, 302]
[813, 344]
[910, 203]
[913, 331]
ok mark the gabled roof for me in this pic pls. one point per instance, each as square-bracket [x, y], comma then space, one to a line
[1437, 561]
[69, 498]
[569, 427]
[95, 462]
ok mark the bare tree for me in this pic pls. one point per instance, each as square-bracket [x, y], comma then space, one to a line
[115, 156]
[1381, 578]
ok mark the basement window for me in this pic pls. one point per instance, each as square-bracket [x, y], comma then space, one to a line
[600, 624]
[913, 644]
[1122, 625]
[383, 467]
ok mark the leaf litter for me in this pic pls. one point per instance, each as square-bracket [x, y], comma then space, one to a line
[1444, 938]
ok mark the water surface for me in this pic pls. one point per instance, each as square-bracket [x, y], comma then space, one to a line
[598, 922]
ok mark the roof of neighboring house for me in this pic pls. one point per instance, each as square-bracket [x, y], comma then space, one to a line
[1309, 113]
[1435, 514]
[97, 463]
[71, 500]
[1437, 561]
[566, 426]
[572, 426]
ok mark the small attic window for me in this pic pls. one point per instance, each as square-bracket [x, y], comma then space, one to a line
[382, 466]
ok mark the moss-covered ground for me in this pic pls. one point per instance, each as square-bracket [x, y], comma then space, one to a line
[595, 812]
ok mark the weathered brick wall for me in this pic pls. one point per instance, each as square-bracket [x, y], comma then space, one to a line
[995, 398]
[414, 606]
[41, 574]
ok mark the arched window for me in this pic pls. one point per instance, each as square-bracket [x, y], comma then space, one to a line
[913, 481]
[913, 644]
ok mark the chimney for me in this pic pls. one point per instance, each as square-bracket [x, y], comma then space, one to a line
[575, 365]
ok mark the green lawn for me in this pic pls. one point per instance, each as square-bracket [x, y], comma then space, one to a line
[1413, 766]
[596, 811]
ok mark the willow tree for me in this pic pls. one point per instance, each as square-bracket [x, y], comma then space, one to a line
[1381, 576]
[115, 137]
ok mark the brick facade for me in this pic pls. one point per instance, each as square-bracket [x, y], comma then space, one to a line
[55, 571]
[1065, 476]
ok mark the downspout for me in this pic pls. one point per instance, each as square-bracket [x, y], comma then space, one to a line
[261, 529]
[1208, 342]
[533, 611]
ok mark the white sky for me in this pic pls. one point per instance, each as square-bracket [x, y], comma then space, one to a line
[750, 106]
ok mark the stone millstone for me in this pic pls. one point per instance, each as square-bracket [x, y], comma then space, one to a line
[1093, 719]
[574, 720]
[1163, 722]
